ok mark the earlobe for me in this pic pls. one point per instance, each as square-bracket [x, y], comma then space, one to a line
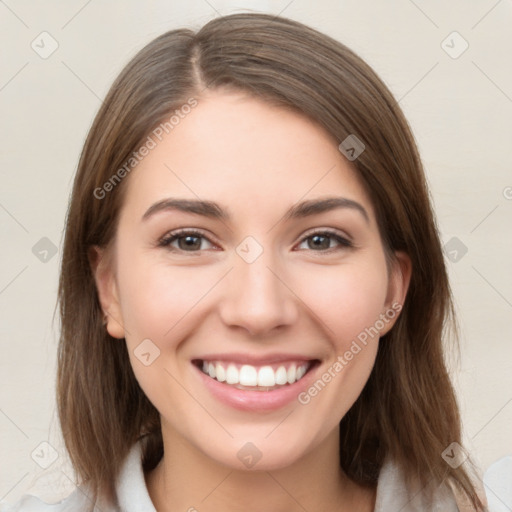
[102, 269]
[397, 288]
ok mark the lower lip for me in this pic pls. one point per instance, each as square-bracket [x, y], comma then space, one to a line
[259, 401]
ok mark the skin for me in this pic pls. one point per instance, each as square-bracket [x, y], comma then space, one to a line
[256, 161]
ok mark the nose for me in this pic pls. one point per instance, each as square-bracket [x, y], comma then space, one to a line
[257, 298]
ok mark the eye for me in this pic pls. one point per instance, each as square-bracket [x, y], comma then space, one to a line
[192, 241]
[186, 241]
[320, 241]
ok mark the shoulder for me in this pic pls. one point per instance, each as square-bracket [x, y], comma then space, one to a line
[78, 500]
[132, 494]
[498, 484]
[394, 494]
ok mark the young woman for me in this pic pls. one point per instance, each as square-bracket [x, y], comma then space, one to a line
[253, 292]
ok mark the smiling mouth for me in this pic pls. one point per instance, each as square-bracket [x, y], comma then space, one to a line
[255, 378]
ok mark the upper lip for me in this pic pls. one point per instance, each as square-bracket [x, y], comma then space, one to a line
[255, 360]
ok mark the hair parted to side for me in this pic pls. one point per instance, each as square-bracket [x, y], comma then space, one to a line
[407, 410]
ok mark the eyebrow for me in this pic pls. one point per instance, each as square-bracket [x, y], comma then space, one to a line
[213, 210]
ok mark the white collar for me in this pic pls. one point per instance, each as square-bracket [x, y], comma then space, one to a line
[132, 493]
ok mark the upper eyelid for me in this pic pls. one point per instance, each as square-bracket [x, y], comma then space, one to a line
[187, 231]
[328, 231]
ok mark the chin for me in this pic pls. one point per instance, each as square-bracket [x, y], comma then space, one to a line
[259, 452]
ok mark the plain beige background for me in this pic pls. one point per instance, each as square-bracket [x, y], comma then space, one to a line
[457, 99]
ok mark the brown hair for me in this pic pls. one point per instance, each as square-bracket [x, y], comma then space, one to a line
[407, 410]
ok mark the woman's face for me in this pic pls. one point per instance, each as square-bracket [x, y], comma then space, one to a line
[228, 260]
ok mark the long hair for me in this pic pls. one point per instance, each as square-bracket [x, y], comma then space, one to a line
[407, 411]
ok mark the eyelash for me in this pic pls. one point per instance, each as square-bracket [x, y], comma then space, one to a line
[168, 239]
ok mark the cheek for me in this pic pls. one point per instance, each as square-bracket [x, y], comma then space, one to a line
[156, 298]
[158, 302]
[346, 300]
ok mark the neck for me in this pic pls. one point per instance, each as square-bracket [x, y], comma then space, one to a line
[188, 480]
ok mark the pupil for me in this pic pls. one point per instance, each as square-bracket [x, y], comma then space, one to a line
[191, 242]
[317, 238]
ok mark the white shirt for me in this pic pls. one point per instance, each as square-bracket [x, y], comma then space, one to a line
[133, 496]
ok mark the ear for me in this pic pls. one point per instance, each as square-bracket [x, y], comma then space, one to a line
[104, 276]
[398, 284]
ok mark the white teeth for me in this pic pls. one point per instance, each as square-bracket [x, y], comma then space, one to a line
[266, 376]
[220, 372]
[232, 374]
[248, 375]
[281, 376]
[291, 374]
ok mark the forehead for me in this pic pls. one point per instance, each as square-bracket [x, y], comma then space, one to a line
[246, 153]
